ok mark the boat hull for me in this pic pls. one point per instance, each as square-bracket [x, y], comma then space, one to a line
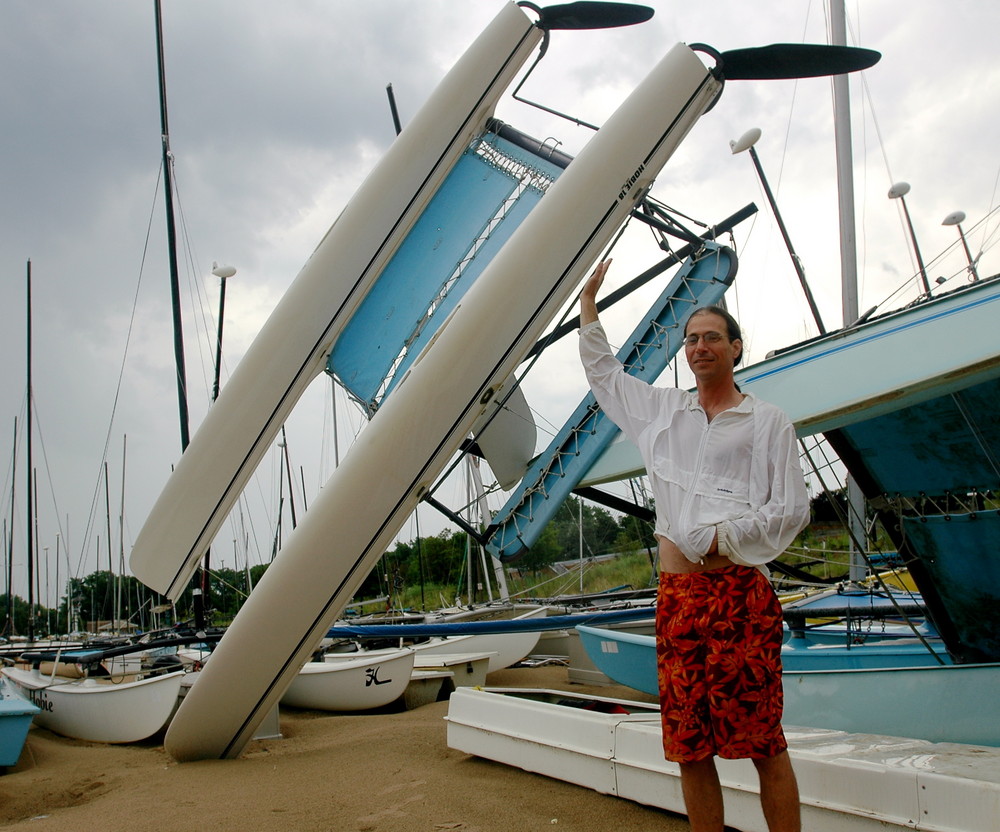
[897, 693]
[798, 654]
[505, 649]
[419, 428]
[626, 658]
[16, 714]
[352, 681]
[943, 703]
[86, 709]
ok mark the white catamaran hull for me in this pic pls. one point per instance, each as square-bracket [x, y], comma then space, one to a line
[419, 428]
[292, 348]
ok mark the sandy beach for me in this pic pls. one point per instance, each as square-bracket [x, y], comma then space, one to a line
[385, 772]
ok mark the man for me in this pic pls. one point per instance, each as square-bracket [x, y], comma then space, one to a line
[723, 467]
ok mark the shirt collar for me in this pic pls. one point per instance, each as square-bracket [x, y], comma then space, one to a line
[745, 406]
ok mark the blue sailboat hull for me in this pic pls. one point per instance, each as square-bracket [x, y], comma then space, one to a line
[875, 688]
[16, 715]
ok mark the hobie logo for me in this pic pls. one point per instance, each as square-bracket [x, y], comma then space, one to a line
[630, 182]
[371, 677]
[40, 700]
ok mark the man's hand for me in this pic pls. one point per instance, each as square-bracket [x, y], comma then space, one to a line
[588, 297]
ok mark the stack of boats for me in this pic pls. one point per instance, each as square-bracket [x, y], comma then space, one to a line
[919, 435]
[127, 693]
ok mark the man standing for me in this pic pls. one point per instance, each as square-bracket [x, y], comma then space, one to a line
[723, 467]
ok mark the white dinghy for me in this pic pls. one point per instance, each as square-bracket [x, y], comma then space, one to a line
[99, 709]
[475, 631]
[506, 649]
[351, 681]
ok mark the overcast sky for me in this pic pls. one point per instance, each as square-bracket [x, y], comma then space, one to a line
[278, 110]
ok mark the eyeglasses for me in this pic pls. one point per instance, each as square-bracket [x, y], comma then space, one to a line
[708, 338]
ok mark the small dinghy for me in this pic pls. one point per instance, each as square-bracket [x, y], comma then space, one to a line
[358, 681]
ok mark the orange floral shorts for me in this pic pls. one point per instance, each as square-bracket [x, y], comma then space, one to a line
[718, 663]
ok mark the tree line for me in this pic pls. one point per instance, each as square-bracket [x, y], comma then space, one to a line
[438, 562]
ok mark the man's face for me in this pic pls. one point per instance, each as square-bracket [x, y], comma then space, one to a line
[710, 353]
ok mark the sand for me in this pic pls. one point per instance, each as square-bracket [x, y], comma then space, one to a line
[385, 772]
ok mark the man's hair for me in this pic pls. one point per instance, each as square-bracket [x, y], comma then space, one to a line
[733, 331]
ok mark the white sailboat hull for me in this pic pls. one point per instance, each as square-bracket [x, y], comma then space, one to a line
[352, 681]
[505, 649]
[99, 711]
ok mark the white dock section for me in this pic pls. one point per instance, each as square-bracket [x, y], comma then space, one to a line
[467, 669]
[847, 782]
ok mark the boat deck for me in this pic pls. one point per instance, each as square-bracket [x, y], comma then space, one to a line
[847, 781]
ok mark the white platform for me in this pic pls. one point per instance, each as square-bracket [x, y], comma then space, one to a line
[467, 669]
[847, 782]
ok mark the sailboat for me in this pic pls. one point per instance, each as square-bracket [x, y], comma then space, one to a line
[359, 681]
[471, 350]
[99, 709]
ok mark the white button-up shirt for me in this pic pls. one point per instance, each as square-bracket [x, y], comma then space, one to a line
[738, 475]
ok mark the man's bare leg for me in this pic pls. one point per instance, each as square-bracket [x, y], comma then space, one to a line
[779, 793]
[702, 795]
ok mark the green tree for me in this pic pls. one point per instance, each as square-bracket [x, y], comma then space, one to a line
[545, 550]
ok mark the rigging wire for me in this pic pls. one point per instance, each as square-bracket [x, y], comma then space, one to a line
[48, 471]
[987, 233]
[859, 544]
[91, 519]
[19, 421]
[198, 301]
